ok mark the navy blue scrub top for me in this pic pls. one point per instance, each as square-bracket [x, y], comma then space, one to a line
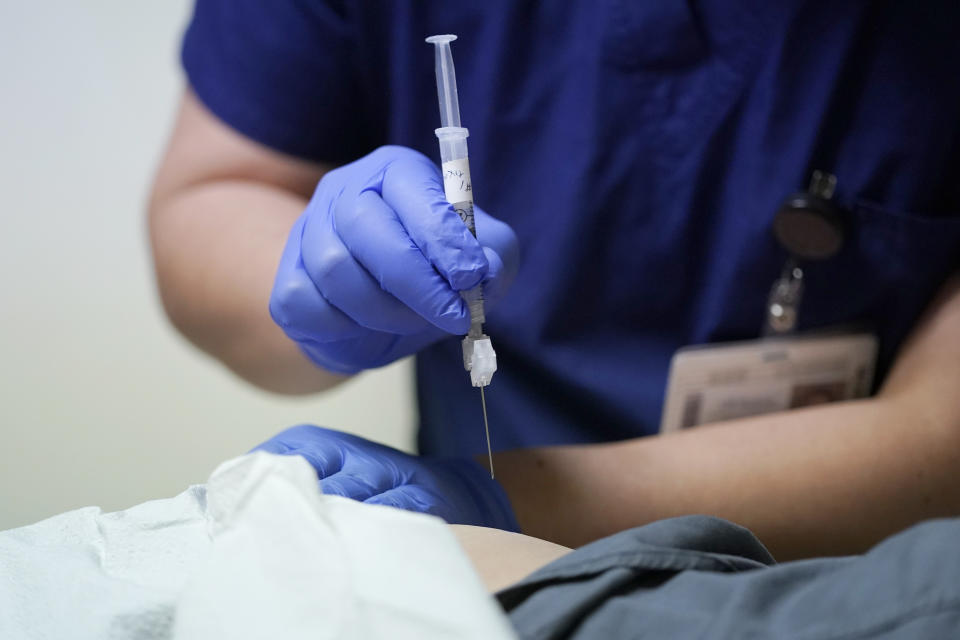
[640, 151]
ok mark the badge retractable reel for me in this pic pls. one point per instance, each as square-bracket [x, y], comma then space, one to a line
[809, 225]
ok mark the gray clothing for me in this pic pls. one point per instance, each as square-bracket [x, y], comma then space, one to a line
[702, 577]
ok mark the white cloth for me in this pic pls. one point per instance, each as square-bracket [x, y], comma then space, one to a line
[257, 553]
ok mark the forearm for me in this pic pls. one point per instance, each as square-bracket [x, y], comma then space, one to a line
[819, 481]
[830, 479]
[220, 212]
[216, 246]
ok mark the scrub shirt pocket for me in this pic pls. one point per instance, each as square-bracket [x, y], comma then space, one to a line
[908, 248]
[891, 267]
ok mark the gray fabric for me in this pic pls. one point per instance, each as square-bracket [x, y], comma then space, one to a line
[701, 577]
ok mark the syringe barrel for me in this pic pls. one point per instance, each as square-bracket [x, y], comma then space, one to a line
[453, 143]
[479, 357]
[459, 191]
[455, 166]
[474, 299]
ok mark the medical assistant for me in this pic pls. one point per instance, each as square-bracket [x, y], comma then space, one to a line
[640, 152]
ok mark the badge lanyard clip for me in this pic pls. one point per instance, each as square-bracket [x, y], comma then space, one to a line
[809, 226]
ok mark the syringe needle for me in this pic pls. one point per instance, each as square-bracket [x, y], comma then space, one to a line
[486, 427]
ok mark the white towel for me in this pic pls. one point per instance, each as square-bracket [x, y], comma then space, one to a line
[257, 553]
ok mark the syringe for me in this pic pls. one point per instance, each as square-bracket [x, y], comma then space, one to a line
[479, 357]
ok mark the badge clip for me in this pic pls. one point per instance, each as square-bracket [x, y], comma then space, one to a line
[809, 225]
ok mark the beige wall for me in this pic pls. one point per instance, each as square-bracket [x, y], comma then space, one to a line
[101, 402]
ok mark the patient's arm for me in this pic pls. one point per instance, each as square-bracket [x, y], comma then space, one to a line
[501, 557]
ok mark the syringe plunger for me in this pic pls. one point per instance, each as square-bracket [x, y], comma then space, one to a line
[446, 80]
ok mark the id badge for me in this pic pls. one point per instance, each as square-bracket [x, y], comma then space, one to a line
[710, 383]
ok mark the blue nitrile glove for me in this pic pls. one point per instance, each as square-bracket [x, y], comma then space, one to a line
[372, 269]
[456, 489]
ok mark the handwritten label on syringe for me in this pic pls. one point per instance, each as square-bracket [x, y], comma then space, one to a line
[456, 180]
[457, 188]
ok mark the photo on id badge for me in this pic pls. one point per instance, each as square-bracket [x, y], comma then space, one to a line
[711, 383]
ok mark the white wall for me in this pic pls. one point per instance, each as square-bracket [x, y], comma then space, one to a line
[101, 402]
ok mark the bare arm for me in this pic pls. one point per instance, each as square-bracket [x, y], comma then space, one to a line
[825, 480]
[502, 557]
[220, 212]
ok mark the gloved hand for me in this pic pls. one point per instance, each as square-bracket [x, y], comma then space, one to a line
[372, 269]
[458, 490]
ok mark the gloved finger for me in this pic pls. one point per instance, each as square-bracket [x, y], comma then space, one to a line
[353, 486]
[405, 497]
[407, 345]
[373, 349]
[370, 351]
[412, 186]
[346, 285]
[273, 446]
[322, 448]
[297, 305]
[375, 236]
